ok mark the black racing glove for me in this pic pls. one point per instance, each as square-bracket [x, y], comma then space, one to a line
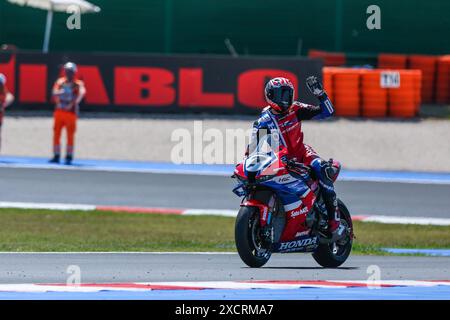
[315, 87]
[292, 164]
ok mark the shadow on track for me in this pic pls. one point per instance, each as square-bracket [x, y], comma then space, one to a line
[309, 268]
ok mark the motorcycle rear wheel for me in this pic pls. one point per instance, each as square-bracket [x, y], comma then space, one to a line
[332, 255]
[247, 239]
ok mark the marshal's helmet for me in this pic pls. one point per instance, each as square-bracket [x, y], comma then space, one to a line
[70, 69]
[70, 66]
[279, 93]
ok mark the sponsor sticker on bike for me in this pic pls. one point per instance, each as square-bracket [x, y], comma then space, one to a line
[297, 245]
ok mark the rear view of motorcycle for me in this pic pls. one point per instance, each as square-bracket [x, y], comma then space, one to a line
[264, 180]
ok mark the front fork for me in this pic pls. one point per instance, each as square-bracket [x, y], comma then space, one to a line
[265, 210]
[265, 217]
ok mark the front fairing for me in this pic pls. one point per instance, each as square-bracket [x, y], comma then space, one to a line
[263, 167]
[294, 186]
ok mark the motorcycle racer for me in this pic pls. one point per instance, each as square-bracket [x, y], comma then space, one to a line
[284, 116]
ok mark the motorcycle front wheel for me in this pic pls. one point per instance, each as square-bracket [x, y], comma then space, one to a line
[248, 239]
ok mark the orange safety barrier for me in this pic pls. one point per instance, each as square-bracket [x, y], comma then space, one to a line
[346, 83]
[417, 75]
[373, 97]
[356, 92]
[328, 83]
[428, 66]
[329, 58]
[443, 80]
[392, 61]
[403, 101]
[327, 74]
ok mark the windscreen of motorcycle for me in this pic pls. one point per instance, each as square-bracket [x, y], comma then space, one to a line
[261, 157]
[258, 162]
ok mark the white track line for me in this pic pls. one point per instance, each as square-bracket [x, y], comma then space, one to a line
[201, 212]
[47, 206]
[408, 220]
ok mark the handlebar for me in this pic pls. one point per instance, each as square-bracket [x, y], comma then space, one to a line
[296, 166]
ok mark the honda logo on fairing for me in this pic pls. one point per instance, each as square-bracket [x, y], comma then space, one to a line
[298, 243]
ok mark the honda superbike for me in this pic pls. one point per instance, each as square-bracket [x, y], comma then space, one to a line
[265, 182]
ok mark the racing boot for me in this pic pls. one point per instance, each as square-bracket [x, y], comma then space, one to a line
[69, 159]
[335, 230]
[55, 158]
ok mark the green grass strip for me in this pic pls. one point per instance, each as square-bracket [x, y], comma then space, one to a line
[48, 230]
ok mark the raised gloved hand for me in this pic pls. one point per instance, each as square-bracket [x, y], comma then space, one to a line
[315, 86]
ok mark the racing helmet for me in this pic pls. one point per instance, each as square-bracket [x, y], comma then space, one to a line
[279, 93]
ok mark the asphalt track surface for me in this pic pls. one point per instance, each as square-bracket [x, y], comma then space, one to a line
[207, 192]
[204, 192]
[148, 267]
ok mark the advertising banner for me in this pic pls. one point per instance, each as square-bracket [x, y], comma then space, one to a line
[156, 83]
